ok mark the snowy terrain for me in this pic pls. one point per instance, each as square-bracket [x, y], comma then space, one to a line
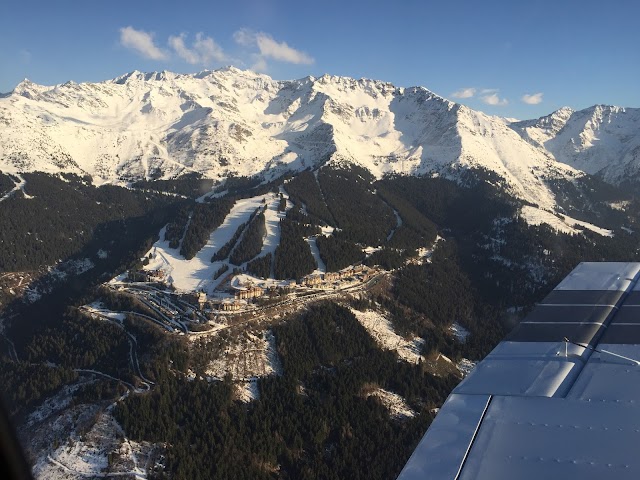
[230, 121]
[380, 328]
[249, 357]
[396, 405]
[562, 223]
[601, 140]
[197, 273]
[459, 332]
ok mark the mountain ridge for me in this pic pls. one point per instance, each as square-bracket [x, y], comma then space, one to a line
[231, 122]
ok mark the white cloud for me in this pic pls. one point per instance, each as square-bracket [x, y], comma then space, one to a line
[244, 37]
[281, 51]
[209, 50]
[141, 42]
[464, 93]
[494, 99]
[259, 64]
[270, 48]
[204, 50]
[177, 43]
[533, 99]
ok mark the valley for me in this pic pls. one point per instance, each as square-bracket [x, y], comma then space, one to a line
[228, 276]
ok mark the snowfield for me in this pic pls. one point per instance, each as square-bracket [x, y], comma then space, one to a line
[197, 273]
[466, 366]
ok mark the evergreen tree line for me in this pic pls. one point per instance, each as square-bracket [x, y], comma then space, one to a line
[282, 204]
[589, 199]
[416, 230]
[82, 342]
[337, 253]
[509, 261]
[304, 189]
[250, 244]
[221, 271]
[70, 216]
[361, 215]
[260, 266]
[25, 385]
[296, 214]
[225, 249]
[389, 258]
[190, 185]
[205, 219]
[176, 227]
[6, 184]
[315, 421]
[293, 257]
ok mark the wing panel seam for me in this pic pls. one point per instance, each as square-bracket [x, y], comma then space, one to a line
[473, 438]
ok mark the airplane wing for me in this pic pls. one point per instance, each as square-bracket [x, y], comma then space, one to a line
[541, 407]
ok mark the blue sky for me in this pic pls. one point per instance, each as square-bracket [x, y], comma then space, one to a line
[509, 58]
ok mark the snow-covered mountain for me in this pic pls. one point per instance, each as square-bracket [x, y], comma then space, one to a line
[600, 140]
[228, 121]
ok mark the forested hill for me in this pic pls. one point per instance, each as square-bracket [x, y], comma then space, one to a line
[447, 253]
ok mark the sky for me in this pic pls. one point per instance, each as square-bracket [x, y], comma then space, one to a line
[510, 58]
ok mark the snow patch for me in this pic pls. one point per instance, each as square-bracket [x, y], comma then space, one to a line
[381, 329]
[466, 366]
[459, 332]
[248, 357]
[397, 406]
[562, 223]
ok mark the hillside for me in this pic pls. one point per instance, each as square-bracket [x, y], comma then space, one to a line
[222, 275]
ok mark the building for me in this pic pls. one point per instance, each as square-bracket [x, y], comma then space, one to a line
[138, 276]
[157, 275]
[251, 292]
[230, 306]
[146, 276]
[311, 280]
[331, 276]
[196, 298]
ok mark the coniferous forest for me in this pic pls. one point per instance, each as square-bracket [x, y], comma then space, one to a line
[317, 418]
[260, 266]
[332, 430]
[293, 258]
[206, 217]
[250, 244]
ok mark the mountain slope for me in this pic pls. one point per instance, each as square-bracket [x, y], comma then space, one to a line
[600, 140]
[232, 122]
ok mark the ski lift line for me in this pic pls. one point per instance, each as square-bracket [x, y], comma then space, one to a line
[589, 347]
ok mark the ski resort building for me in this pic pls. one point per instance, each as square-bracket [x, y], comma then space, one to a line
[251, 292]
